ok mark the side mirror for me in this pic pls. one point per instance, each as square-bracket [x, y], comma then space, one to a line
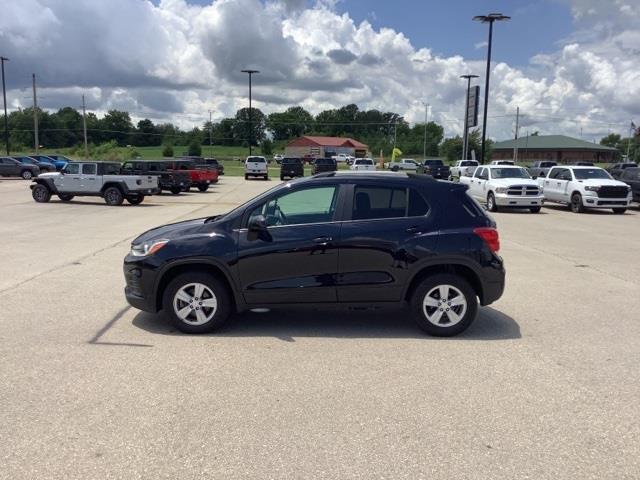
[257, 229]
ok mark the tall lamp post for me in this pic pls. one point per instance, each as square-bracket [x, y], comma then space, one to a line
[465, 135]
[426, 120]
[492, 17]
[4, 98]
[250, 72]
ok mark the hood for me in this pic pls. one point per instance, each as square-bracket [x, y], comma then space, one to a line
[507, 182]
[171, 231]
[600, 182]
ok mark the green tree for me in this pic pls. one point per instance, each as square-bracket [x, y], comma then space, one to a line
[144, 137]
[612, 140]
[117, 126]
[70, 121]
[451, 148]
[266, 147]
[253, 131]
[195, 148]
[167, 151]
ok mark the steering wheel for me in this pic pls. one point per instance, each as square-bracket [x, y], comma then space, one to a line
[280, 218]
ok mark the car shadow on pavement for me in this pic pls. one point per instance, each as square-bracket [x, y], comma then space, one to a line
[588, 211]
[286, 325]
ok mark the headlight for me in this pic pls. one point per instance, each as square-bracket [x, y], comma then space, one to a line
[591, 189]
[501, 190]
[148, 248]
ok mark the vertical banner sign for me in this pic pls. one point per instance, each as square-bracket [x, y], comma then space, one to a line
[472, 109]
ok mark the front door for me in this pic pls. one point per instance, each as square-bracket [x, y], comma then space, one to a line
[69, 180]
[296, 259]
[388, 230]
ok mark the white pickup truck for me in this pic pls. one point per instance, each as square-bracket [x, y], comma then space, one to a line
[585, 187]
[504, 186]
[360, 164]
[402, 164]
[462, 168]
[342, 158]
[256, 167]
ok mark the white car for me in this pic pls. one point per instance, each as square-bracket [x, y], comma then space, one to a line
[342, 158]
[363, 164]
[462, 168]
[403, 164]
[502, 162]
[585, 187]
[256, 167]
[504, 186]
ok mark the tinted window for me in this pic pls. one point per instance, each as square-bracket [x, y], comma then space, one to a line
[291, 161]
[256, 159]
[433, 163]
[585, 173]
[364, 162]
[156, 167]
[89, 169]
[510, 173]
[110, 168]
[417, 206]
[72, 168]
[379, 202]
[310, 205]
[468, 163]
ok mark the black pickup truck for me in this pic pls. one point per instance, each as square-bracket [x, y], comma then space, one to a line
[174, 181]
[291, 167]
[435, 168]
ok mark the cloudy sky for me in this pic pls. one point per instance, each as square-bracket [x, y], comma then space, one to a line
[571, 66]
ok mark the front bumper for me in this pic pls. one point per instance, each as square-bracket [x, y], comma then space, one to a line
[517, 201]
[139, 289]
[598, 202]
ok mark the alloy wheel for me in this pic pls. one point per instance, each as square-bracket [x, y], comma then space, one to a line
[195, 304]
[444, 306]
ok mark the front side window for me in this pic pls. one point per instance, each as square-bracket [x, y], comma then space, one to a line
[89, 169]
[72, 168]
[309, 205]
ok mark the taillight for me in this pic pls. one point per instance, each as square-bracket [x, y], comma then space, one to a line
[490, 237]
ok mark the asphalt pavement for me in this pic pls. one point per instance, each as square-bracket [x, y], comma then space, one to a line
[544, 385]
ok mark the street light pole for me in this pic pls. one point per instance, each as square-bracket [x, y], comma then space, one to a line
[426, 120]
[465, 128]
[210, 134]
[250, 72]
[4, 98]
[492, 17]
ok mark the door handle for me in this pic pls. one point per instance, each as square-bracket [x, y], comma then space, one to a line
[322, 240]
[413, 229]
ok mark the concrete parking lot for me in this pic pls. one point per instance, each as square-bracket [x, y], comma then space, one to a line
[545, 384]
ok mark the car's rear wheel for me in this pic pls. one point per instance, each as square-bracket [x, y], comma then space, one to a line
[176, 190]
[203, 187]
[113, 196]
[26, 174]
[41, 194]
[576, 203]
[135, 199]
[491, 203]
[619, 211]
[196, 302]
[246, 177]
[535, 209]
[266, 177]
[65, 197]
[444, 305]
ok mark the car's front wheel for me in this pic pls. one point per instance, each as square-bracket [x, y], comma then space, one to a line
[444, 305]
[176, 190]
[41, 194]
[535, 209]
[491, 203]
[576, 203]
[196, 302]
[619, 211]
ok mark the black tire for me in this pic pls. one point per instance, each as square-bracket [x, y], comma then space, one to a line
[266, 177]
[535, 209]
[282, 178]
[394, 169]
[113, 196]
[176, 190]
[135, 199]
[26, 174]
[619, 211]
[246, 177]
[491, 203]
[468, 311]
[221, 313]
[65, 197]
[203, 187]
[576, 203]
[41, 193]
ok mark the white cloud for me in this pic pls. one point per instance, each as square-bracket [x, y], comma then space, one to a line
[175, 61]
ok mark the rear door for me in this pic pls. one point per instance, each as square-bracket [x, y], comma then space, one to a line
[89, 178]
[7, 166]
[552, 185]
[385, 225]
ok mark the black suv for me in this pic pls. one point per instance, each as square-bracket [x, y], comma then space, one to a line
[291, 167]
[174, 181]
[353, 239]
[322, 164]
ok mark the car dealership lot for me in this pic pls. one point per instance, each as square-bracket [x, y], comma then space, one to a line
[545, 384]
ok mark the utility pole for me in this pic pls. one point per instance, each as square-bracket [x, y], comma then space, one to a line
[465, 128]
[35, 115]
[4, 97]
[395, 131]
[515, 148]
[84, 126]
[250, 72]
[210, 133]
[426, 120]
[490, 19]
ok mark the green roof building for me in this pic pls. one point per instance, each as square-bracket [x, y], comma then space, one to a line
[559, 148]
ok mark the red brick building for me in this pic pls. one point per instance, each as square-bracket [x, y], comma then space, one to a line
[559, 148]
[309, 146]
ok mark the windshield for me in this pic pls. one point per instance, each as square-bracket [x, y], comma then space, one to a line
[291, 161]
[587, 173]
[324, 161]
[469, 163]
[256, 159]
[364, 162]
[509, 173]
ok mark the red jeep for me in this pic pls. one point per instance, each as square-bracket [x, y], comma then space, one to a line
[201, 175]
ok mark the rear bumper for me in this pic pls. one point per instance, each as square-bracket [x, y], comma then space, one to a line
[493, 282]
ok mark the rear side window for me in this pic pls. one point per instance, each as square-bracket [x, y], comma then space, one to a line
[89, 169]
[370, 203]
